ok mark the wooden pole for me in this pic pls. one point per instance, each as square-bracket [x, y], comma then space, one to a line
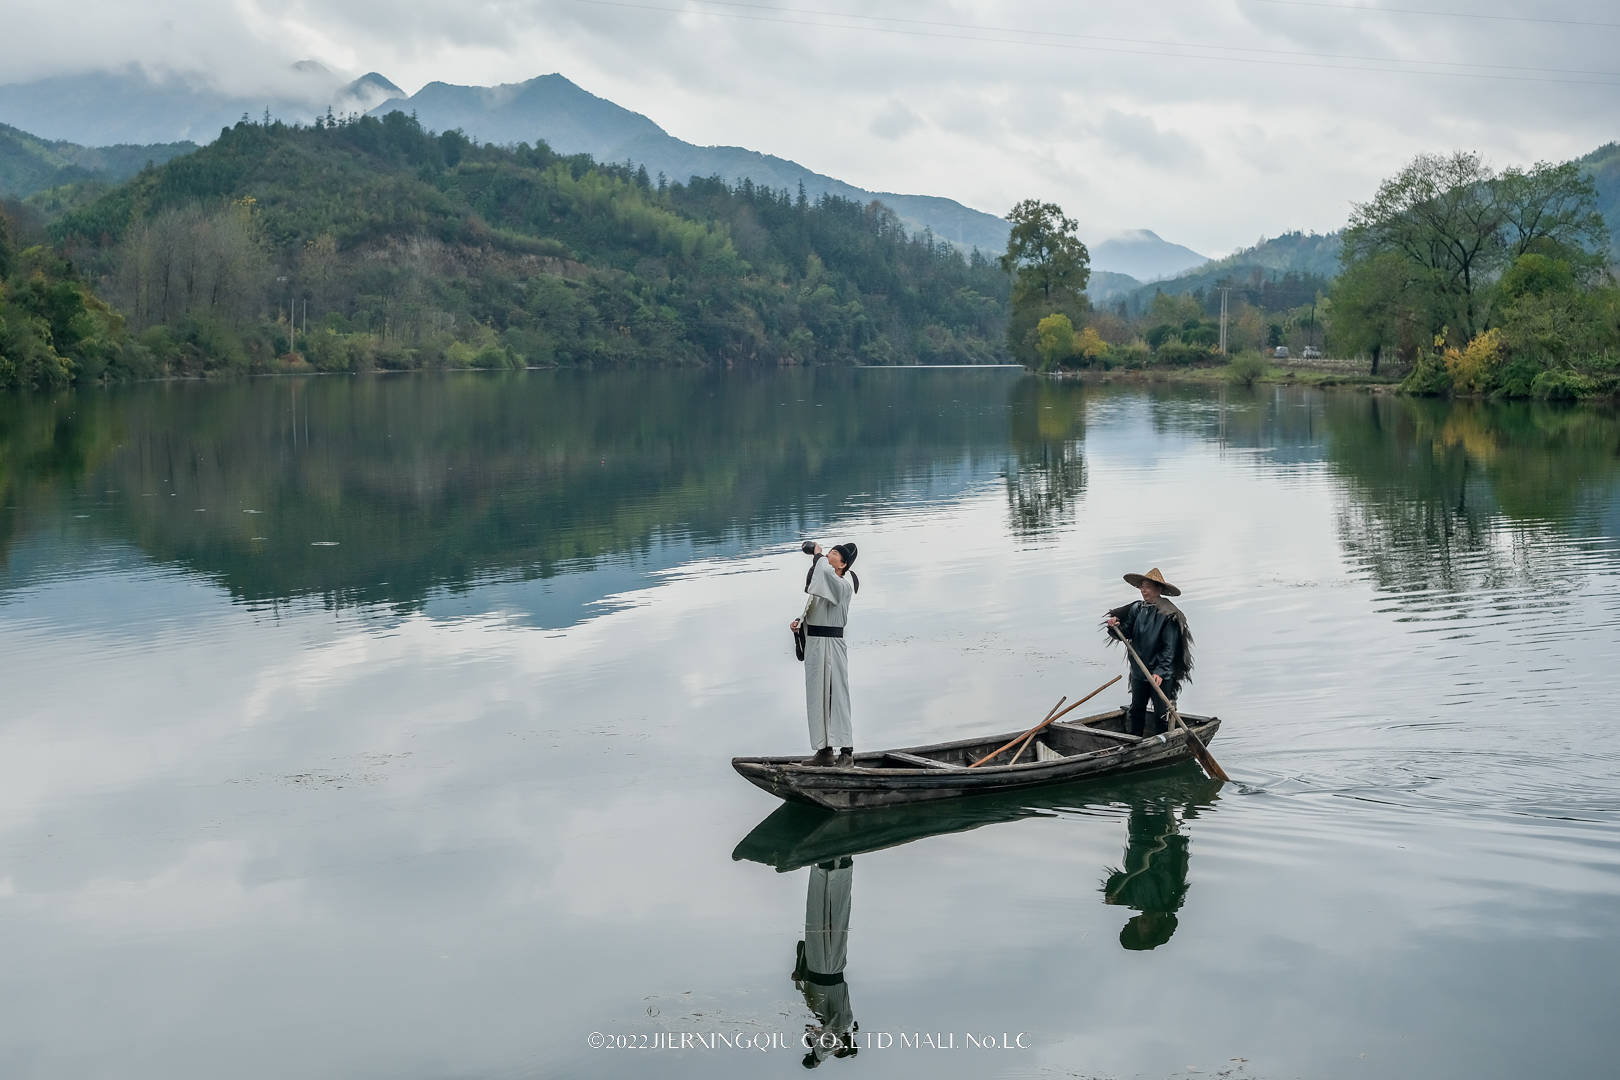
[1200, 751]
[1051, 717]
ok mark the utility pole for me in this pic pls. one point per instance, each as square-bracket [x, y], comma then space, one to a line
[1224, 291]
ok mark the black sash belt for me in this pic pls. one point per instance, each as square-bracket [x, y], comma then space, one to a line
[802, 972]
[820, 979]
[823, 631]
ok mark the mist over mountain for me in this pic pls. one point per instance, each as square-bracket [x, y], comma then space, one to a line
[1106, 287]
[1144, 255]
[134, 105]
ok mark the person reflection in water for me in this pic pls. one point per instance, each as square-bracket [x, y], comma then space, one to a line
[1154, 880]
[818, 969]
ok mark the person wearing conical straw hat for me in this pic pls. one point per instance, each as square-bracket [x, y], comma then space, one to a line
[1157, 630]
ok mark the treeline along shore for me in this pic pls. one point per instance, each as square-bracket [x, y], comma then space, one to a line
[362, 244]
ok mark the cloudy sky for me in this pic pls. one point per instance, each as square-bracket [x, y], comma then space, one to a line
[1213, 122]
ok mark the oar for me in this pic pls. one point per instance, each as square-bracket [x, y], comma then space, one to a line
[1200, 751]
[1028, 735]
[1051, 717]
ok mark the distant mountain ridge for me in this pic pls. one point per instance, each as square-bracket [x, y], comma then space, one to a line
[1313, 256]
[1144, 255]
[574, 121]
[133, 106]
[29, 164]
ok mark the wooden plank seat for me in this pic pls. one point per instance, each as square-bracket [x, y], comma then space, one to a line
[915, 759]
[1104, 732]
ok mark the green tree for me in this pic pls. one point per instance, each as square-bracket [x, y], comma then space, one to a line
[1054, 340]
[1441, 215]
[1044, 256]
[1548, 321]
[1376, 303]
[1552, 209]
[1050, 268]
[1458, 225]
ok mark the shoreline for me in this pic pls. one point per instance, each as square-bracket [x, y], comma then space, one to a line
[1275, 375]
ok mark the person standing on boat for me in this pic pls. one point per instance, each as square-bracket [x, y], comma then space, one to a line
[829, 588]
[1157, 630]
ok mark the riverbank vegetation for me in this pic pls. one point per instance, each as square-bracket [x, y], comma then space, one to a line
[53, 327]
[1455, 278]
[1483, 282]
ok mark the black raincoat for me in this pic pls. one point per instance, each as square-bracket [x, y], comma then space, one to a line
[1158, 632]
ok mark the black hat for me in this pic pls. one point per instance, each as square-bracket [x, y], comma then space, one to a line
[847, 552]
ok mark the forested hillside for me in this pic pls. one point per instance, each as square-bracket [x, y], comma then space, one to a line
[52, 327]
[29, 164]
[1278, 273]
[369, 243]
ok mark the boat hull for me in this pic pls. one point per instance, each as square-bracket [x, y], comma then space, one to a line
[1089, 748]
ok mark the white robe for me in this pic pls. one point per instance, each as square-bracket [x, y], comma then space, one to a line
[826, 660]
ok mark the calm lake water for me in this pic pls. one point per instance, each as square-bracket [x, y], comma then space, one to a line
[381, 728]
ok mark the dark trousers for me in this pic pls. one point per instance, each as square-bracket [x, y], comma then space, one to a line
[1136, 721]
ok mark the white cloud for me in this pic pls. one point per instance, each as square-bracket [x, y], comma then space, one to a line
[894, 121]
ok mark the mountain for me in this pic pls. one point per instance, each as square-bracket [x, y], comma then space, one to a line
[29, 164]
[572, 120]
[407, 249]
[1106, 287]
[1603, 166]
[1292, 252]
[1283, 271]
[1144, 255]
[134, 105]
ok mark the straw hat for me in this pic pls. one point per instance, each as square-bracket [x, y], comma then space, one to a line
[1153, 575]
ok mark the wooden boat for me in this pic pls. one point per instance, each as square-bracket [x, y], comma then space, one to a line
[794, 836]
[1065, 751]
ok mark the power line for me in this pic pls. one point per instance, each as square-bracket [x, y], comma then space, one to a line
[1406, 69]
[1437, 14]
[775, 9]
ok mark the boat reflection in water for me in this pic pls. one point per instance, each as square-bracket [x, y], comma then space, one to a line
[1152, 881]
[818, 968]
